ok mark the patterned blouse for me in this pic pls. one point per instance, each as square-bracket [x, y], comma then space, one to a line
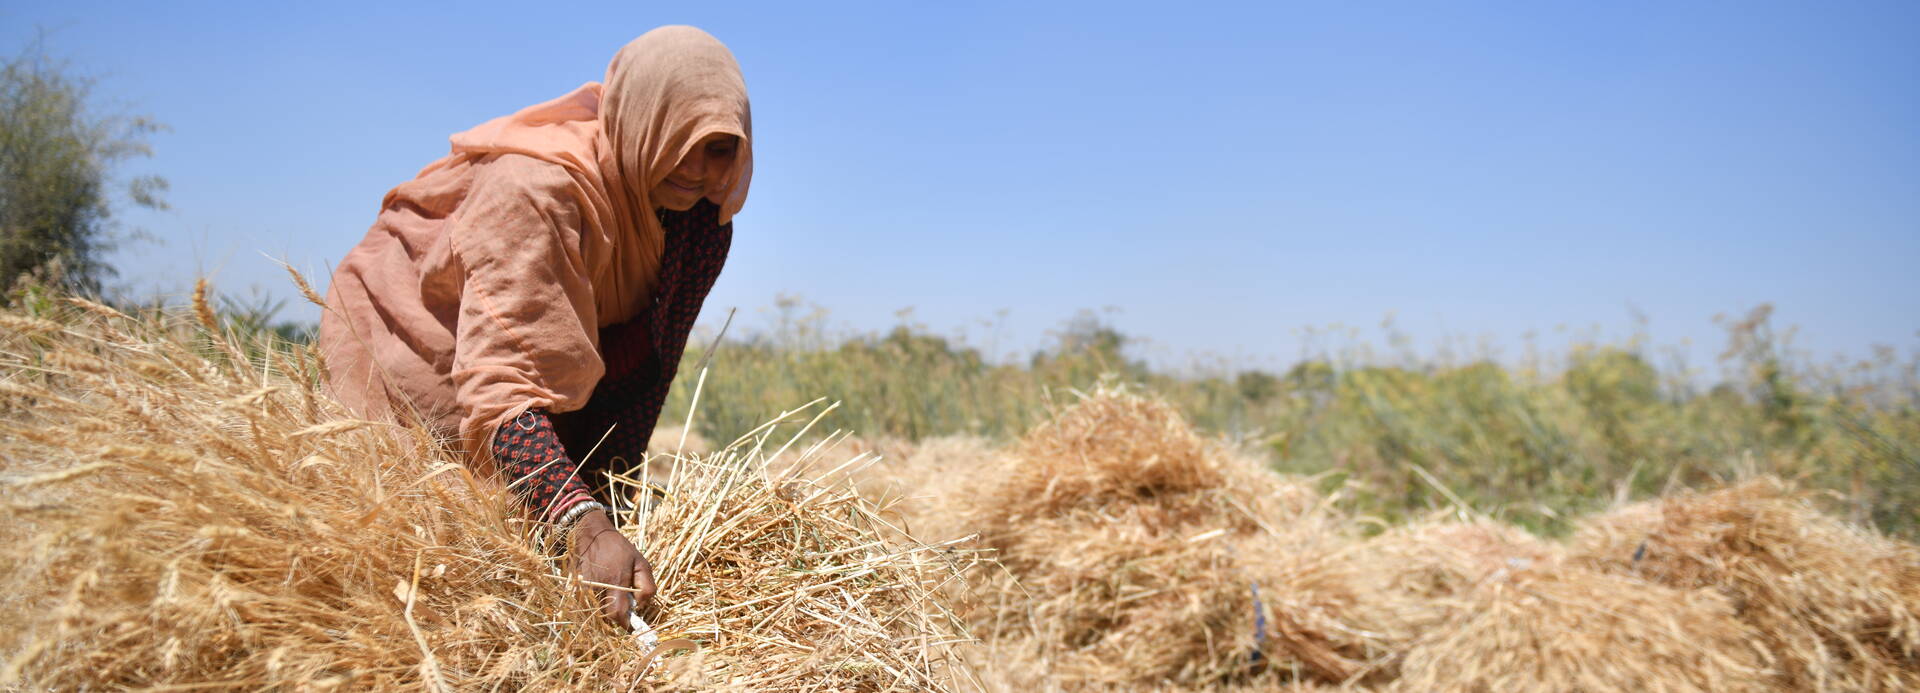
[536, 452]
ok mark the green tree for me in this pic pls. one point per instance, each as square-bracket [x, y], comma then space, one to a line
[58, 155]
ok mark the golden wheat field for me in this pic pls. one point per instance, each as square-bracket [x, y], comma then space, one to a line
[187, 509]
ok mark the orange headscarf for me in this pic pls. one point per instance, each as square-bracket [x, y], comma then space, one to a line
[479, 291]
[665, 91]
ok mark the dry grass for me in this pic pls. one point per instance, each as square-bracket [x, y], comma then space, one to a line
[1561, 628]
[908, 479]
[1346, 610]
[187, 510]
[1838, 606]
[791, 582]
[1126, 548]
[1542, 437]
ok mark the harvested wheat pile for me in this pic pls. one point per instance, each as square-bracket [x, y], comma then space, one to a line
[1418, 574]
[1563, 628]
[790, 583]
[183, 510]
[1347, 610]
[1123, 543]
[1132, 553]
[189, 511]
[1837, 606]
[907, 477]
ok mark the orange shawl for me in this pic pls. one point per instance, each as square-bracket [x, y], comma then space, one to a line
[481, 287]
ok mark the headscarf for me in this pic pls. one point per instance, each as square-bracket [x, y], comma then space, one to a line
[479, 291]
[664, 92]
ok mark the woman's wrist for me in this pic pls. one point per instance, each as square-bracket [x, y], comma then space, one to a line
[576, 530]
[580, 513]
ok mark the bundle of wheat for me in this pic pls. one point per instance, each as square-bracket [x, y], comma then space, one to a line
[908, 479]
[1837, 606]
[1347, 610]
[790, 582]
[1122, 540]
[1564, 628]
[185, 509]
[1417, 573]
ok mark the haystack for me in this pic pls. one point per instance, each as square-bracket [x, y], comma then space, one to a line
[1837, 606]
[186, 510]
[1417, 574]
[1347, 609]
[909, 480]
[790, 582]
[1564, 628]
[1123, 543]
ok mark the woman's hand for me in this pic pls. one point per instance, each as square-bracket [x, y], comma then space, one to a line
[601, 554]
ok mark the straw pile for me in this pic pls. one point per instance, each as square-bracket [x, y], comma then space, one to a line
[187, 510]
[1348, 609]
[912, 482]
[1471, 605]
[1123, 543]
[1416, 576]
[1132, 553]
[1565, 629]
[1837, 607]
[792, 583]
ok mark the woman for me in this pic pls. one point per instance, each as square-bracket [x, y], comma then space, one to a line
[535, 287]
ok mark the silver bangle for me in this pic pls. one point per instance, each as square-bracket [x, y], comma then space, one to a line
[578, 510]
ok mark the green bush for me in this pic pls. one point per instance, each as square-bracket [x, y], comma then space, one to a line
[57, 159]
[1405, 437]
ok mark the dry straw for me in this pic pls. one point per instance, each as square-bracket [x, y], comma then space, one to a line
[1129, 551]
[1567, 629]
[1126, 548]
[183, 509]
[186, 510]
[1836, 605]
[1472, 605]
[1348, 609]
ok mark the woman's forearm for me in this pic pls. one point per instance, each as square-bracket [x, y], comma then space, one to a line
[536, 467]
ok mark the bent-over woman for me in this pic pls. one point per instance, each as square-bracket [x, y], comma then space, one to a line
[536, 286]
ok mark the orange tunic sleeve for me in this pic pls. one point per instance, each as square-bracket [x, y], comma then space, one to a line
[526, 334]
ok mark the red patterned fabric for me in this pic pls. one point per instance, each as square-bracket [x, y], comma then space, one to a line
[536, 466]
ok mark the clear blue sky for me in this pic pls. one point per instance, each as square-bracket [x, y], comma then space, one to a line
[1223, 175]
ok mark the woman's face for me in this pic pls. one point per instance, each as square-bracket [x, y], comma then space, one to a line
[702, 173]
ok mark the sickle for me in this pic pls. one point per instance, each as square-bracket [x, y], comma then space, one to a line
[655, 646]
[665, 647]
